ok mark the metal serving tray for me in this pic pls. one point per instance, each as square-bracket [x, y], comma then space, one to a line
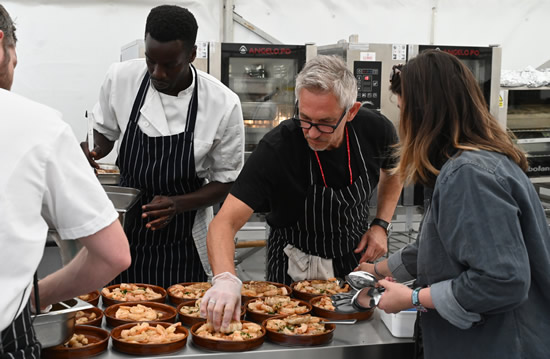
[108, 178]
[124, 199]
[57, 326]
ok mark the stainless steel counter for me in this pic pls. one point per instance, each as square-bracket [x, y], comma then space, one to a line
[368, 339]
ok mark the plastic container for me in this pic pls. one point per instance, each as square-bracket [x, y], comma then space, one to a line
[400, 325]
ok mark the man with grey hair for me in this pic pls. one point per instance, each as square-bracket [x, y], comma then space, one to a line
[46, 182]
[313, 175]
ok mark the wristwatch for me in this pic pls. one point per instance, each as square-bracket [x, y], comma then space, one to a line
[416, 300]
[380, 222]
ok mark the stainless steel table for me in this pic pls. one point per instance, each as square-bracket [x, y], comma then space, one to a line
[368, 339]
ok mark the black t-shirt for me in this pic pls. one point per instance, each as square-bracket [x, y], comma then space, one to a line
[276, 177]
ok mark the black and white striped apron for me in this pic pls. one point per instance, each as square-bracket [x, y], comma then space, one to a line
[331, 225]
[18, 340]
[163, 165]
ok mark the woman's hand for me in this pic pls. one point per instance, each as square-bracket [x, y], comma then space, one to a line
[396, 297]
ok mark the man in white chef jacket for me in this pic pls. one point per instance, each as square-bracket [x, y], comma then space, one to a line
[180, 139]
[45, 181]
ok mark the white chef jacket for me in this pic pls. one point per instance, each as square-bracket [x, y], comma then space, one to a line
[219, 131]
[45, 181]
[218, 141]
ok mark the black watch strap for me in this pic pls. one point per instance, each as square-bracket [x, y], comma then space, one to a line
[380, 222]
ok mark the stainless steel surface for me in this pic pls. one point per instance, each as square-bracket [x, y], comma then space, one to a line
[341, 321]
[57, 326]
[124, 199]
[108, 178]
[365, 339]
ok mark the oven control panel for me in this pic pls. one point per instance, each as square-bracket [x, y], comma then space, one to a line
[368, 75]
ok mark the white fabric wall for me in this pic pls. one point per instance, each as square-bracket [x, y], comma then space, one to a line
[65, 47]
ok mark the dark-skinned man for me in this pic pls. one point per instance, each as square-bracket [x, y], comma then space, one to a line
[180, 139]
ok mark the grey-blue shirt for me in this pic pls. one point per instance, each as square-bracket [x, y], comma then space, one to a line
[484, 249]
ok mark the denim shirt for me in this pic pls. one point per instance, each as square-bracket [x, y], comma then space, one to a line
[484, 250]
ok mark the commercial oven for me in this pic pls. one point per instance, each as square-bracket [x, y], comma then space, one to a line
[372, 65]
[526, 113]
[263, 77]
[484, 62]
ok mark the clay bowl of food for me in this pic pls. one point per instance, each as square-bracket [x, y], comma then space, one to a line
[259, 289]
[85, 342]
[183, 292]
[189, 312]
[123, 313]
[260, 309]
[144, 338]
[298, 330]
[92, 297]
[242, 336]
[322, 307]
[307, 289]
[92, 316]
[132, 292]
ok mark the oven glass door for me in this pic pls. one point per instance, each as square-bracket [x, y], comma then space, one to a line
[263, 77]
[477, 59]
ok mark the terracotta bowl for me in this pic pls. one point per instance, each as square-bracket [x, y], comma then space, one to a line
[189, 320]
[260, 317]
[226, 345]
[245, 298]
[95, 322]
[147, 349]
[98, 341]
[107, 301]
[303, 295]
[331, 314]
[299, 340]
[177, 300]
[168, 313]
[92, 297]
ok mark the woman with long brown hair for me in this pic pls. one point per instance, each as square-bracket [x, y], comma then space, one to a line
[482, 257]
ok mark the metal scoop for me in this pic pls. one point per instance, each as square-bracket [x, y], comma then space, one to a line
[360, 279]
[346, 302]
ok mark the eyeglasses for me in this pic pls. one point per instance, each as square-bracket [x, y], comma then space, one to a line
[324, 128]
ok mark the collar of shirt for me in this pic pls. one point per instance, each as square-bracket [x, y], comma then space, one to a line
[155, 120]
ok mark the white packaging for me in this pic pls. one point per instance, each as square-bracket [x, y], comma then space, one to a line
[400, 325]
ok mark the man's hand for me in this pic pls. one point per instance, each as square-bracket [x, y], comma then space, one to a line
[222, 302]
[160, 212]
[376, 242]
[91, 155]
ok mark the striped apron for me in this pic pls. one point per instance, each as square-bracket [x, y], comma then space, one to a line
[18, 340]
[164, 166]
[331, 225]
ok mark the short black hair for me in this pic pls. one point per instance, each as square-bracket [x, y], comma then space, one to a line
[171, 22]
[8, 27]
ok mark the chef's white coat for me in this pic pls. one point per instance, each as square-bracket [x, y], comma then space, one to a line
[219, 130]
[45, 181]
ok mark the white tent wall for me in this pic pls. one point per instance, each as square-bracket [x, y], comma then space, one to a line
[65, 47]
